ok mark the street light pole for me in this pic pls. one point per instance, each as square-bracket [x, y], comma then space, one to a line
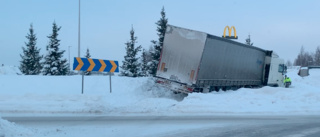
[79, 46]
[79, 32]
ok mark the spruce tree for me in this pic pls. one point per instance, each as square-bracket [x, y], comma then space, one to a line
[248, 41]
[54, 64]
[153, 64]
[130, 65]
[161, 28]
[148, 54]
[87, 56]
[144, 62]
[30, 63]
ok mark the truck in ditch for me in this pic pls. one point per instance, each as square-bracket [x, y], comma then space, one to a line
[193, 61]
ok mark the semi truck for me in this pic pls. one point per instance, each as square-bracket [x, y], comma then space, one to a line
[194, 61]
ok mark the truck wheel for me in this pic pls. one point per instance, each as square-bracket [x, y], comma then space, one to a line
[228, 87]
[216, 89]
[234, 88]
[224, 88]
[211, 89]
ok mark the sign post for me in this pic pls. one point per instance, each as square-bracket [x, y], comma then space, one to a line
[110, 82]
[82, 83]
[99, 65]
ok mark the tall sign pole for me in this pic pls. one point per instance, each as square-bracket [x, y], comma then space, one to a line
[79, 32]
[110, 81]
[79, 47]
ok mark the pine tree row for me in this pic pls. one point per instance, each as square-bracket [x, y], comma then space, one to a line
[53, 64]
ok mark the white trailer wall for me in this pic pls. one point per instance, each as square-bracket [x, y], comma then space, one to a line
[181, 54]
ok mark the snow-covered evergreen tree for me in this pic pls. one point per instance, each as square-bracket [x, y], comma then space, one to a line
[148, 54]
[144, 61]
[130, 65]
[88, 53]
[153, 64]
[161, 28]
[54, 64]
[87, 56]
[30, 63]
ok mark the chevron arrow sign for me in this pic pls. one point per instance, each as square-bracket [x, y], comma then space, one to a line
[88, 64]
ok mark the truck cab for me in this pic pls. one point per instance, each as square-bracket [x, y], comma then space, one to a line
[277, 71]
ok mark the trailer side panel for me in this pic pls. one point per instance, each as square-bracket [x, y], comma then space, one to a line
[227, 63]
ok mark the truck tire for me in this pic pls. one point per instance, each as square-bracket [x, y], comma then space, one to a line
[217, 89]
[224, 88]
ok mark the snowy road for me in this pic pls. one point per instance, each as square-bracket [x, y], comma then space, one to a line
[187, 126]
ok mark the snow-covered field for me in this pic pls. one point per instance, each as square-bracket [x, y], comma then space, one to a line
[61, 95]
[141, 96]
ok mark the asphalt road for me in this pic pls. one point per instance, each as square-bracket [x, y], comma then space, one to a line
[187, 126]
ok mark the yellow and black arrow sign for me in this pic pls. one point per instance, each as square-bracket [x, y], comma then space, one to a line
[88, 64]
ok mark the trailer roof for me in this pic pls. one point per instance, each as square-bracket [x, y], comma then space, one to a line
[235, 42]
[223, 39]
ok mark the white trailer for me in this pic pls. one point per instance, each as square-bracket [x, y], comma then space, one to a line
[193, 61]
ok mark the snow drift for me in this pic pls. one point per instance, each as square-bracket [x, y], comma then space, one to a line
[141, 96]
[8, 129]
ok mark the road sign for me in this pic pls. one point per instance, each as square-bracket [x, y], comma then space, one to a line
[88, 64]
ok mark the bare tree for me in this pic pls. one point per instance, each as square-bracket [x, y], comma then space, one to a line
[317, 56]
[289, 64]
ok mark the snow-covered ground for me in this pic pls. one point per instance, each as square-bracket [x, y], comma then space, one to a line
[9, 129]
[9, 70]
[141, 96]
[61, 95]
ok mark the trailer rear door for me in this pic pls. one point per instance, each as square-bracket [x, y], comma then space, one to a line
[181, 54]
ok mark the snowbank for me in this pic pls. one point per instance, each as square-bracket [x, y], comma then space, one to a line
[303, 97]
[8, 129]
[141, 96]
[62, 94]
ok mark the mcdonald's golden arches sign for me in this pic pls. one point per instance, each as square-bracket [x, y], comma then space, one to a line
[230, 30]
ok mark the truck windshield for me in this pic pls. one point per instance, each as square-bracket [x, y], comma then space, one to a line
[281, 68]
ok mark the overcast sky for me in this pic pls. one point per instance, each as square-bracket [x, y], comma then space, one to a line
[281, 26]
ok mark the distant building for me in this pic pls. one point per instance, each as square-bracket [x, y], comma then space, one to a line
[304, 71]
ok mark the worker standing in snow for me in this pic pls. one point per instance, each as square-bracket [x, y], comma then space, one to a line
[287, 81]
